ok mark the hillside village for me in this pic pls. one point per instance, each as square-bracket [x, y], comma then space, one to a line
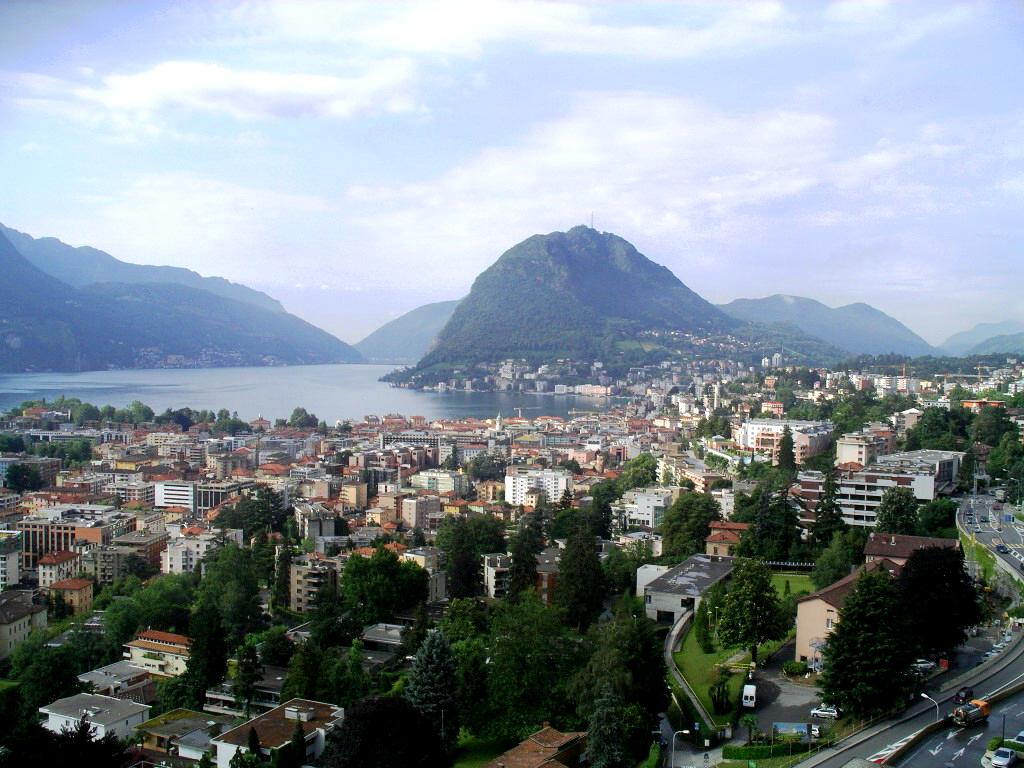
[202, 590]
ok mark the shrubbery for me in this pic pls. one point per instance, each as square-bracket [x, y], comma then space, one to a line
[795, 667]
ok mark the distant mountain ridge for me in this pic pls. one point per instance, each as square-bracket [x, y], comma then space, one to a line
[407, 338]
[574, 294]
[46, 324]
[858, 328]
[1008, 343]
[959, 343]
[82, 266]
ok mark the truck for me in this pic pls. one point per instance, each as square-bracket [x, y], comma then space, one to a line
[972, 713]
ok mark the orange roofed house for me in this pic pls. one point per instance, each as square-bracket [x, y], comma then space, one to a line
[724, 537]
[547, 748]
[162, 653]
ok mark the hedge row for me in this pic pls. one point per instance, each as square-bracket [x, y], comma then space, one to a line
[762, 751]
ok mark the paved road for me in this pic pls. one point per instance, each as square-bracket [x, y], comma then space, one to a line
[978, 516]
[964, 747]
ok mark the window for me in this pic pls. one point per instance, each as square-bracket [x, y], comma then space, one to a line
[829, 623]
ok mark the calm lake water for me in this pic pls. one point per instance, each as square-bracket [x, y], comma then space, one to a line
[330, 391]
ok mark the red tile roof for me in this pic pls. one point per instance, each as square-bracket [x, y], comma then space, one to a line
[156, 636]
[56, 558]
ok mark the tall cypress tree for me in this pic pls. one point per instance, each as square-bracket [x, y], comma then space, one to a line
[579, 588]
[525, 546]
[787, 455]
[431, 688]
[606, 735]
[828, 517]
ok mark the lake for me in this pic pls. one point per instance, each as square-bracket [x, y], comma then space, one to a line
[332, 392]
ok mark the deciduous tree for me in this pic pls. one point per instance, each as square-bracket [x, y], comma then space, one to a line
[751, 614]
[897, 512]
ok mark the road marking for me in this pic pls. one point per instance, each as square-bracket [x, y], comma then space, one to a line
[951, 734]
[974, 738]
[936, 750]
[958, 753]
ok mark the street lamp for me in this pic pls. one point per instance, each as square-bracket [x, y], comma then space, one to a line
[933, 701]
[672, 759]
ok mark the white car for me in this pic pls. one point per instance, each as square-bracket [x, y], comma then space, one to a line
[1019, 738]
[923, 665]
[826, 712]
[1003, 758]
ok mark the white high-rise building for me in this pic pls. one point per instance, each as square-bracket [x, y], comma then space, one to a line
[519, 481]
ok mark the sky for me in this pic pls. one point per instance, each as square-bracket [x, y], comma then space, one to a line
[356, 160]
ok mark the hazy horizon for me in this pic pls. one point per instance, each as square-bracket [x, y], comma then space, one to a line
[357, 160]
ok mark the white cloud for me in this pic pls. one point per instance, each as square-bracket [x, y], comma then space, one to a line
[185, 219]
[671, 168]
[251, 94]
[468, 28]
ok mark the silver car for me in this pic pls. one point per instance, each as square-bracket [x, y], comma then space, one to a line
[1004, 758]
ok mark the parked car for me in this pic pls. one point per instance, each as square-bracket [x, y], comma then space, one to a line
[923, 665]
[1019, 738]
[964, 695]
[825, 712]
[1002, 549]
[1004, 758]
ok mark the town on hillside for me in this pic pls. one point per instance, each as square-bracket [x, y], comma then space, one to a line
[732, 561]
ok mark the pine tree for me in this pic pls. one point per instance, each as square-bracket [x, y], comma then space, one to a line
[867, 657]
[431, 687]
[247, 673]
[208, 653]
[606, 736]
[787, 457]
[525, 547]
[579, 590]
[828, 516]
[282, 578]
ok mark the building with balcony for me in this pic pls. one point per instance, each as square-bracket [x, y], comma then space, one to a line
[163, 654]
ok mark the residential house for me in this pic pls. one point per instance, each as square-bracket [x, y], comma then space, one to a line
[274, 730]
[76, 593]
[121, 680]
[724, 537]
[57, 566]
[547, 748]
[104, 713]
[162, 653]
[19, 617]
[898, 548]
[818, 613]
[183, 732]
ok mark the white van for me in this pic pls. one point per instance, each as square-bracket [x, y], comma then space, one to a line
[749, 695]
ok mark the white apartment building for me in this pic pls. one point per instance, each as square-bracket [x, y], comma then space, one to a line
[519, 481]
[10, 559]
[104, 713]
[175, 493]
[441, 480]
[928, 474]
[642, 508]
[809, 437]
[865, 446]
[186, 548]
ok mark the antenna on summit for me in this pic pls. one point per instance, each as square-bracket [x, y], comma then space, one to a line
[591, 219]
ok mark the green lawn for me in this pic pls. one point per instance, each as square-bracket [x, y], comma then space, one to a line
[979, 552]
[798, 582]
[652, 758]
[699, 668]
[474, 752]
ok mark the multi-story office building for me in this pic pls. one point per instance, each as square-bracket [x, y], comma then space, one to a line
[70, 527]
